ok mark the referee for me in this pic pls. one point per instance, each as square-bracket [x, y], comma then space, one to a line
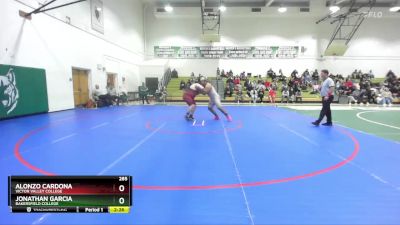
[327, 89]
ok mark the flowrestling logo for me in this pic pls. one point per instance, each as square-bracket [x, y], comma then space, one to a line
[9, 94]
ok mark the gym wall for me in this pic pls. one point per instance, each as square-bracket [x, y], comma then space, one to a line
[375, 46]
[48, 42]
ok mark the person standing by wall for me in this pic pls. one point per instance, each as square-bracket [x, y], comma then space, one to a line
[327, 90]
[143, 93]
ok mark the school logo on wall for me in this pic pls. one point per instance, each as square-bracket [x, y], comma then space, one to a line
[9, 94]
[97, 15]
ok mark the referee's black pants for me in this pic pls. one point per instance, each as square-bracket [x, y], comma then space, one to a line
[326, 110]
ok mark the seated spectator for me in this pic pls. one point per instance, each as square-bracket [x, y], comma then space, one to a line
[363, 97]
[246, 83]
[338, 86]
[354, 96]
[182, 85]
[260, 90]
[292, 94]
[123, 92]
[307, 79]
[315, 89]
[267, 84]
[112, 94]
[285, 95]
[243, 75]
[237, 80]
[238, 93]
[387, 97]
[274, 84]
[99, 99]
[260, 95]
[96, 93]
[189, 83]
[227, 92]
[298, 96]
[161, 94]
[253, 95]
[354, 74]
[371, 75]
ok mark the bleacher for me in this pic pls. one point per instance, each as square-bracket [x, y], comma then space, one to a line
[175, 95]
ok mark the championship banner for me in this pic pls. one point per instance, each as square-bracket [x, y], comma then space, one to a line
[23, 91]
[226, 52]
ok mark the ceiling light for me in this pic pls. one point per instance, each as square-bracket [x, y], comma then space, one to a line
[222, 8]
[334, 8]
[282, 9]
[169, 8]
[394, 9]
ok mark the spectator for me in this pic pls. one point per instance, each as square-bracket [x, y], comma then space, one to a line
[371, 75]
[238, 93]
[231, 85]
[161, 94]
[260, 90]
[237, 80]
[285, 95]
[253, 95]
[174, 73]
[223, 73]
[182, 85]
[271, 74]
[315, 75]
[123, 92]
[354, 74]
[112, 94]
[100, 99]
[292, 94]
[272, 95]
[354, 96]
[227, 92]
[307, 79]
[96, 93]
[144, 92]
[294, 74]
[298, 95]
[189, 83]
[267, 84]
[281, 76]
[260, 94]
[387, 97]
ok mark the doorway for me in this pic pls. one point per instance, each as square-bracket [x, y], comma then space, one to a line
[81, 86]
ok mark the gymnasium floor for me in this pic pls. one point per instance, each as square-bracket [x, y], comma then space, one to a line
[269, 166]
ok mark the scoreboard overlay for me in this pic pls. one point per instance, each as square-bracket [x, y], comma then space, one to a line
[70, 194]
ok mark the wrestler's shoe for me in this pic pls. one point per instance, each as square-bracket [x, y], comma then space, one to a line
[189, 117]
